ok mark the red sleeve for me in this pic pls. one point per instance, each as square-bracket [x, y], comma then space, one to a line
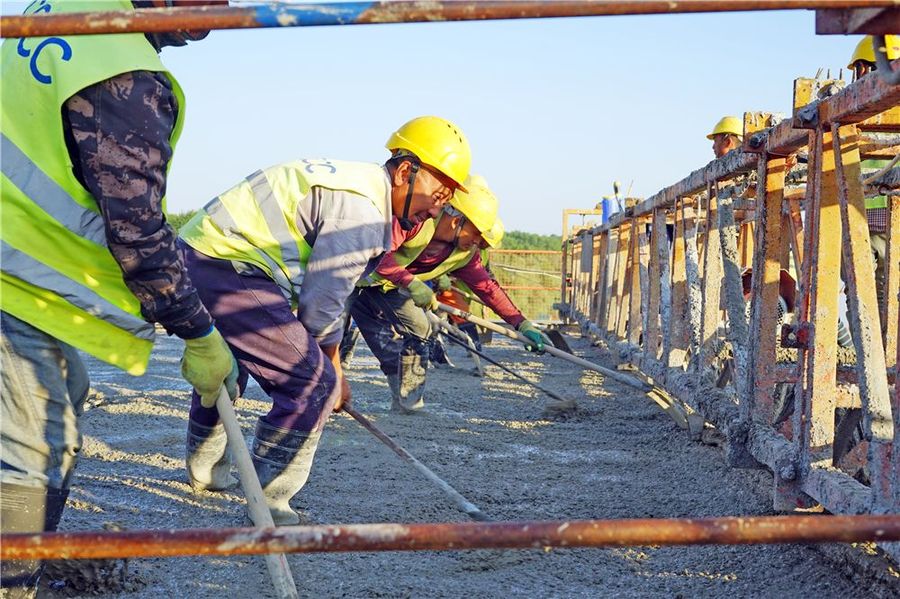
[488, 290]
[388, 267]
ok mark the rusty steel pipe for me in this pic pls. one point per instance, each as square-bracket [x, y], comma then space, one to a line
[450, 536]
[358, 13]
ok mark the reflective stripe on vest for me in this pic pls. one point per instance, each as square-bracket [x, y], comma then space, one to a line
[219, 215]
[271, 211]
[28, 269]
[46, 193]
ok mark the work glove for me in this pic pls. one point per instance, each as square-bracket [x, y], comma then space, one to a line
[207, 364]
[534, 335]
[443, 283]
[422, 295]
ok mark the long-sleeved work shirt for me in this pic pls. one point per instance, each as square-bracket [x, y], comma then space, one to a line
[348, 235]
[117, 133]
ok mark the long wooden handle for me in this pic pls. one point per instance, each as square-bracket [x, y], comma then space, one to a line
[613, 374]
[277, 564]
[464, 505]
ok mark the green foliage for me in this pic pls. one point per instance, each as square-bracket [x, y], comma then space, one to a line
[521, 240]
[177, 219]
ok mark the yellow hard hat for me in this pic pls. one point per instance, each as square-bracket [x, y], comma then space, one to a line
[728, 124]
[436, 142]
[866, 53]
[494, 235]
[478, 204]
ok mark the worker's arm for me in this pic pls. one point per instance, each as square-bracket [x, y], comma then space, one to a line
[350, 237]
[117, 133]
[479, 279]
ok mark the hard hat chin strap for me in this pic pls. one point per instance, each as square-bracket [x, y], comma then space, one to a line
[405, 223]
[459, 228]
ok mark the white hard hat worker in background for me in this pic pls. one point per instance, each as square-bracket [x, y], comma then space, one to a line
[727, 135]
[388, 306]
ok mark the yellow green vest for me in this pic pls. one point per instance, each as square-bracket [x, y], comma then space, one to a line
[57, 273]
[255, 222]
[407, 253]
[877, 201]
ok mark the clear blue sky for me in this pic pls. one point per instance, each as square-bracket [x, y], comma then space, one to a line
[555, 109]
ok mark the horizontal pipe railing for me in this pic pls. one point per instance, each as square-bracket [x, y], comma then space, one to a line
[450, 536]
[359, 13]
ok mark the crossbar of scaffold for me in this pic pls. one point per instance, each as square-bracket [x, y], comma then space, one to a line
[451, 536]
[360, 13]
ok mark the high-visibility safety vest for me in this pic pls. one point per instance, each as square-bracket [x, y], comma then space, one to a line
[57, 271]
[255, 222]
[877, 201]
[407, 253]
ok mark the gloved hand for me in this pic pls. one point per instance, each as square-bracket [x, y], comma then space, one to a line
[422, 295]
[207, 364]
[534, 335]
[443, 283]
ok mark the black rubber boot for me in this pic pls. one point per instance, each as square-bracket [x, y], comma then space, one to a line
[207, 457]
[27, 509]
[282, 458]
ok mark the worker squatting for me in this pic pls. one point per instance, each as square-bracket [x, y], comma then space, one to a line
[258, 284]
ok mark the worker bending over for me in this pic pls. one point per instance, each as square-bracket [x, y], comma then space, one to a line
[388, 306]
[274, 259]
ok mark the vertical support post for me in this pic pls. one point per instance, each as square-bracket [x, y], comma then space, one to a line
[692, 279]
[712, 276]
[765, 284]
[644, 261]
[595, 276]
[677, 332]
[892, 281]
[618, 283]
[814, 420]
[865, 324]
[665, 286]
[637, 295]
[629, 275]
[655, 274]
[602, 283]
[611, 293]
[734, 296]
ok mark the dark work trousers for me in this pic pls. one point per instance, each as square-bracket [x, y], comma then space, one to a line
[392, 325]
[267, 340]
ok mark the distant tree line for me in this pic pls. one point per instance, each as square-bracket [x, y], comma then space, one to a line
[521, 240]
[177, 219]
[513, 240]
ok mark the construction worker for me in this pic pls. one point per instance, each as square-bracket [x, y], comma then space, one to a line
[274, 258]
[88, 261]
[861, 63]
[388, 306]
[727, 135]
[456, 293]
